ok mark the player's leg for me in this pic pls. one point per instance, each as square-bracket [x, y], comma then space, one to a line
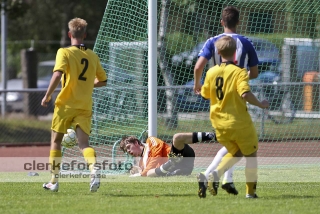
[175, 154]
[248, 144]
[215, 162]
[60, 123]
[227, 183]
[177, 165]
[184, 167]
[227, 162]
[157, 172]
[178, 145]
[234, 154]
[82, 122]
[55, 161]
[203, 177]
[180, 139]
[153, 173]
[228, 176]
[251, 173]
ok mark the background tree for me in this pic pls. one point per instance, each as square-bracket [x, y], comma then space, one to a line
[46, 21]
[302, 17]
[166, 72]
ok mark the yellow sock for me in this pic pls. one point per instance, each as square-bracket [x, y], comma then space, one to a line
[251, 180]
[90, 157]
[55, 162]
[227, 162]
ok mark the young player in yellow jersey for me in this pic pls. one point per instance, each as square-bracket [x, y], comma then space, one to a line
[227, 87]
[79, 70]
[245, 57]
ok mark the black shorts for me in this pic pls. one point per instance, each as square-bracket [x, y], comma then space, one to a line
[185, 167]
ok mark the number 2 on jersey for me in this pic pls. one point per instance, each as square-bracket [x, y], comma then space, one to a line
[219, 85]
[86, 63]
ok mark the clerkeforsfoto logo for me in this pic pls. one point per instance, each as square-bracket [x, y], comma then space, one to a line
[76, 165]
[26, 164]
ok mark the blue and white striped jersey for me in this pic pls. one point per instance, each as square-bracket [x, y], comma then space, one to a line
[245, 55]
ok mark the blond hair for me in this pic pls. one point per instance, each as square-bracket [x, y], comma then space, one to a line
[226, 46]
[77, 27]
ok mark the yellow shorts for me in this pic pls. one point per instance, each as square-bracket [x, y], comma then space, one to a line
[64, 118]
[234, 139]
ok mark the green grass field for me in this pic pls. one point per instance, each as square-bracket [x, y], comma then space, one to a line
[121, 194]
[281, 189]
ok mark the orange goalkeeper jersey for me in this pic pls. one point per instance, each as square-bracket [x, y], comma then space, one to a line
[154, 155]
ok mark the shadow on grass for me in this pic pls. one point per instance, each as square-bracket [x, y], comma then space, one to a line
[153, 195]
[289, 197]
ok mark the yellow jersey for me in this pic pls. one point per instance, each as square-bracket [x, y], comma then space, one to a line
[224, 84]
[80, 66]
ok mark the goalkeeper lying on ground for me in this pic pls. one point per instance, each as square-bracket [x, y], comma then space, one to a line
[158, 158]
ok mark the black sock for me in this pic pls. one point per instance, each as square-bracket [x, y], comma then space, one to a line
[203, 136]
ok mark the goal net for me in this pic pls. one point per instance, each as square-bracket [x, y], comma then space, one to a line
[285, 35]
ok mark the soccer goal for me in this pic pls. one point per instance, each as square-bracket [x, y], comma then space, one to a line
[287, 129]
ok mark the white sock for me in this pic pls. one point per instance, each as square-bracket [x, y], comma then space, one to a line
[228, 176]
[217, 159]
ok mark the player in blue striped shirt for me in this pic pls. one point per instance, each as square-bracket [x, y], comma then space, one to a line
[245, 56]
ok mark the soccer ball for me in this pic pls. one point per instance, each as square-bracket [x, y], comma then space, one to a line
[69, 140]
